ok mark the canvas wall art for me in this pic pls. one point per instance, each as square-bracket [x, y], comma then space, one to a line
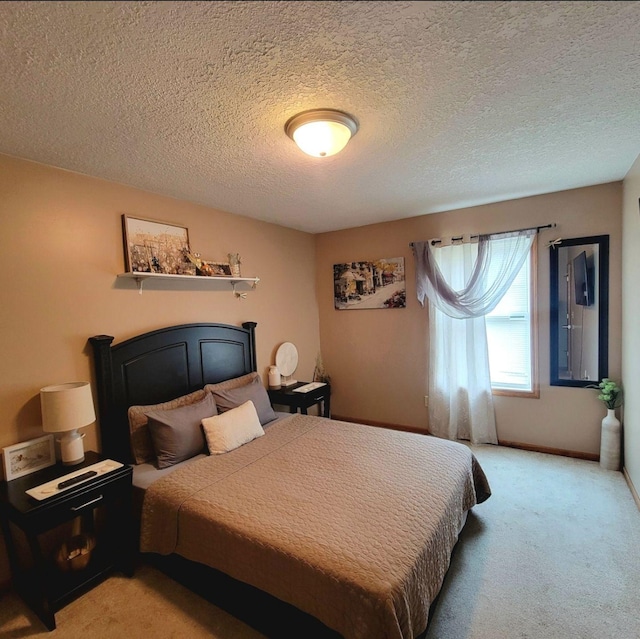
[364, 285]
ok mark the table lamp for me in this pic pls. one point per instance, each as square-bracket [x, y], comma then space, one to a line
[65, 408]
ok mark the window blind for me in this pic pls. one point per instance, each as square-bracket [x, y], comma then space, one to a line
[509, 335]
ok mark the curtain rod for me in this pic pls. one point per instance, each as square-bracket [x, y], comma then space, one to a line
[456, 239]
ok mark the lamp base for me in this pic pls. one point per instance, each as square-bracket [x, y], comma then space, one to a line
[72, 448]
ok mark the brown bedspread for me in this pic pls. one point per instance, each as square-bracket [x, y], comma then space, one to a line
[352, 524]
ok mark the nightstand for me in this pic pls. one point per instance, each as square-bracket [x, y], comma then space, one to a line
[103, 504]
[286, 397]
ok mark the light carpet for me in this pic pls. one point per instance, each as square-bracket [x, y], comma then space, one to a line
[553, 554]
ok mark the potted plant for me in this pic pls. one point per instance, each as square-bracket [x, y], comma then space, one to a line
[611, 395]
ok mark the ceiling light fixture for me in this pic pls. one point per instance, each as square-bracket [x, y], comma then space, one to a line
[321, 132]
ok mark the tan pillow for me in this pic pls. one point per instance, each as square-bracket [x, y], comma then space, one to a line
[229, 384]
[141, 444]
[232, 429]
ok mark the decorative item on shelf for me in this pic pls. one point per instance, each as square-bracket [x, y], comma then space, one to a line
[234, 264]
[152, 246]
[208, 268]
[220, 269]
[189, 262]
[202, 268]
[205, 269]
[275, 382]
[65, 408]
[320, 373]
[611, 395]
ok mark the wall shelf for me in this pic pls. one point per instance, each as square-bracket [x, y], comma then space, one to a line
[213, 282]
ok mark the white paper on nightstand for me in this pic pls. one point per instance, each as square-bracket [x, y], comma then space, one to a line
[309, 387]
[50, 489]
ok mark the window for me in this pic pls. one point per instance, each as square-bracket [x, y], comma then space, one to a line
[511, 335]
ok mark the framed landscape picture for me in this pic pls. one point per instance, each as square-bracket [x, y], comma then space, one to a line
[151, 246]
[27, 457]
[369, 284]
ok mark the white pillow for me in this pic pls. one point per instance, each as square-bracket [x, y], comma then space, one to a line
[232, 428]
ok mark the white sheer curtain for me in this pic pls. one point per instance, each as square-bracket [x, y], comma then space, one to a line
[463, 282]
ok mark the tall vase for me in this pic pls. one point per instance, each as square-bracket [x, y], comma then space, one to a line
[234, 263]
[610, 441]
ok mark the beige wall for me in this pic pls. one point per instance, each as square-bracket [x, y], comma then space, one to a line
[378, 359]
[60, 251]
[631, 324]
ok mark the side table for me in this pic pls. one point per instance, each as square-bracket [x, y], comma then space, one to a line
[285, 396]
[42, 584]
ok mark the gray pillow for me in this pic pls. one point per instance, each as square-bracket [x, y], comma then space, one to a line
[177, 433]
[228, 398]
[141, 444]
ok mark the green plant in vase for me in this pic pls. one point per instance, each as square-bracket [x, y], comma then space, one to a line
[610, 435]
[610, 393]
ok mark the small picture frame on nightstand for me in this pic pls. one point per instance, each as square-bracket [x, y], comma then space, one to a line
[27, 457]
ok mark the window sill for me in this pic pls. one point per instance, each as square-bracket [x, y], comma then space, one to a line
[511, 392]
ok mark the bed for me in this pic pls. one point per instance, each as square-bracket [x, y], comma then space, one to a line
[350, 525]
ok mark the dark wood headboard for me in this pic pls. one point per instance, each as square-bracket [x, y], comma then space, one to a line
[161, 365]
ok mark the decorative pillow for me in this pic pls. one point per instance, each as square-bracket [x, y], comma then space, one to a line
[233, 396]
[177, 434]
[229, 430]
[141, 444]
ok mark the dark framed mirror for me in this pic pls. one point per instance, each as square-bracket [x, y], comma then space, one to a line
[579, 301]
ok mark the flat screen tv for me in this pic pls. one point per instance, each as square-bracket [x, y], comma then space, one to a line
[583, 280]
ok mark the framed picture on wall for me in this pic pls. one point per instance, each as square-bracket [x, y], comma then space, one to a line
[369, 284]
[27, 457]
[151, 246]
[220, 269]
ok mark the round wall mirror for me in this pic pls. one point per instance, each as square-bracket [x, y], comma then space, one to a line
[287, 362]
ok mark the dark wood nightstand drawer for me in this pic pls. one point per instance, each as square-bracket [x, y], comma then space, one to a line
[317, 395]
[104, 490]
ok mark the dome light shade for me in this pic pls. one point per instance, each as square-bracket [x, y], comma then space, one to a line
[321, 132]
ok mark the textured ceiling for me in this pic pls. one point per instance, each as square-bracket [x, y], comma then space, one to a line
[459, 103]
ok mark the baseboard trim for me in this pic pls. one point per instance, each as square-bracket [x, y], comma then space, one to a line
[370, 422]
[632, 488]
[507, 444]
[550, 451]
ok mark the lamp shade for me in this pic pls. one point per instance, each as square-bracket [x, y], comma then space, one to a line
[65, 408]
[321, 132]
